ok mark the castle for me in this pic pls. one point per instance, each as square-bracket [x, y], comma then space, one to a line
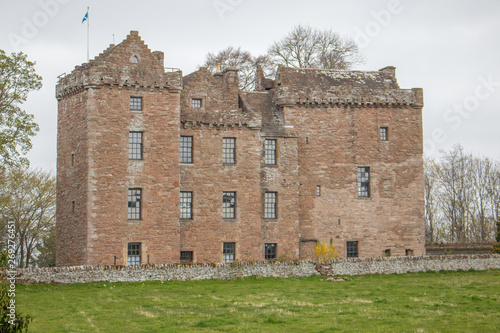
[154, 167]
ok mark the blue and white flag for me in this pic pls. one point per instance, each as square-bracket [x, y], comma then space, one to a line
[86, 17]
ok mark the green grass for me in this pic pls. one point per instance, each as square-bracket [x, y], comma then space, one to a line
[418, 302]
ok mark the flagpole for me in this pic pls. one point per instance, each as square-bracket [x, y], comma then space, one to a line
[88, 36]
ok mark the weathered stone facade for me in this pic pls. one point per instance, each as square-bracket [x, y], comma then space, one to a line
[324, 125]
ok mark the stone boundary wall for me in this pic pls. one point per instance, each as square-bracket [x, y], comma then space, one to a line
[389, 265]
[177, 272]
[438, 249]
[181, 272]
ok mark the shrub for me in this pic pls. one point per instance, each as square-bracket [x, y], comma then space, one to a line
[325, 251]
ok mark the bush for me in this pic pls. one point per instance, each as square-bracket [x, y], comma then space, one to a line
[325, 251]
[11, 321]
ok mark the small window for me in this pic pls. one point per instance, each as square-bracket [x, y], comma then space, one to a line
[270, 251]
[186, 149]
[270, 204]
[186, 256]
[318, 190]
[136, 103]
[135, 145]
[270, 151]
[134, 60]
[72, 159]
[387, 252]
[134, 204]
[228, 252]
[364, 182]
[228, 150]
[409, 252]
[134, 254]
[72, 206]
[196, 103]
[384, 133]
[186, 205]
[228, 205]
[352, 249]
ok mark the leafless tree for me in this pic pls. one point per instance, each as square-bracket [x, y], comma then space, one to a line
[29, 204]
[462, 197]
[235, 57]
[305, 47]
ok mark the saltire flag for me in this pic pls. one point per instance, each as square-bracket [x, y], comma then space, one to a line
[86, 17]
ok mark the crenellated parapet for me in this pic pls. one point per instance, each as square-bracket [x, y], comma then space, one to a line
[314, 87]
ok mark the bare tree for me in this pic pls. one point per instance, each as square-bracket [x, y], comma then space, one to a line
[235, 57]
[305, 47]
[431, 173]
[29, 204]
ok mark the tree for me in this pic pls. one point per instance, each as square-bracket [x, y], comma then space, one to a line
[17, 79]
[235, 57]
[47, 249]
[30, 206]
[305, 47]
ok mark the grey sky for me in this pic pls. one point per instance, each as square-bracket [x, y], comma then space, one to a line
[449, 48]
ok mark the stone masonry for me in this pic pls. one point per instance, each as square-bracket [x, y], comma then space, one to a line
[325, 126]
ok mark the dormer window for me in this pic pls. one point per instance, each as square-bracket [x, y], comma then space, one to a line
[134, 60]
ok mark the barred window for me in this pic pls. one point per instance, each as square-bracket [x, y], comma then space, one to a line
[196, 103]
[270, 251]
[134, 204]
[136, 103]
[270, 205]
[352, 249]
[134, 254]
[186, 149]
[384, 133]
[270, 151]
[186, 256]
[135, 145]
[228, 205]
[318, 190]
[186, 205]
[363, 182]
[228, 252]
[228, 150]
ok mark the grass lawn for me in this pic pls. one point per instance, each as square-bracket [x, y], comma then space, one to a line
[416, 302]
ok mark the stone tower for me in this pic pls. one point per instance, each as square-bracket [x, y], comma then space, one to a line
[123, 96]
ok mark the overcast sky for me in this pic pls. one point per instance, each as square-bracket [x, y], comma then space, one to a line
[451, 49]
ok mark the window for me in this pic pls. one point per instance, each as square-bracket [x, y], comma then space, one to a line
[186, 205]
[270, 205]
[384, 133]
[72, 206]
[228, 252]
[270, 251]
[186, 149]
[387, 252]
[270, 151]
[318, 190]
[134, 204]
[72, 159]
[408, 252]
[363, 182]
[186, 256]
[228, 205]
[135, 145]
[136, 103]
[196, 103]
[134, 60]
[352, 249]
[134, 254]
[228, 150]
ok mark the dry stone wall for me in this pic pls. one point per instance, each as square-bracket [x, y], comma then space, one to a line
[351, 266]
